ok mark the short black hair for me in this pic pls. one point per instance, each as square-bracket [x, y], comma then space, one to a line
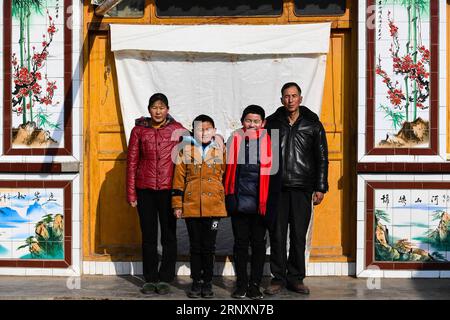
[203, 118]
[255, 109]
[291, 84]
[158, 97]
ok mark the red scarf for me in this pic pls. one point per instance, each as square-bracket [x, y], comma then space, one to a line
[265, 163]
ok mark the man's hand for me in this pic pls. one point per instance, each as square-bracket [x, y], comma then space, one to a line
[177, 212]
[318, 197]
[133, 204]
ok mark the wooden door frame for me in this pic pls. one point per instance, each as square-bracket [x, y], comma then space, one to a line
[95, 24]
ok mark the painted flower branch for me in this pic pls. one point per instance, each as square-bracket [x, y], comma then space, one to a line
[28, 90]
[413, 67]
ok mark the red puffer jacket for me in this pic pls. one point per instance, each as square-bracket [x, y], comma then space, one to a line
[149, 159]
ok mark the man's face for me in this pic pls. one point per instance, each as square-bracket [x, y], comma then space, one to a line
[205, 132]
[253, 121]
[158, 111]
[291, 99]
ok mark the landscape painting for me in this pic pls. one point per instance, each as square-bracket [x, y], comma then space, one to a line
[32, 223]
[412, 225]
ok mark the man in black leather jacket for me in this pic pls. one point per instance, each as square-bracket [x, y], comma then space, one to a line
[304, 165]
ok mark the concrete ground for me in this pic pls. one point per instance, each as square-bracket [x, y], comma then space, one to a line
[128, 288]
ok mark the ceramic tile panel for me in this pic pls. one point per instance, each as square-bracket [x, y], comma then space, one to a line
[400, 65]
[36, 226]
[406, 224]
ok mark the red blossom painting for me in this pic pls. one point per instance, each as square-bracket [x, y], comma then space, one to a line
[35, 107]
[402, 91]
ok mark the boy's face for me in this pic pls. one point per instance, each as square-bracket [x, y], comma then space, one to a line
[253, 121]
[205, 132]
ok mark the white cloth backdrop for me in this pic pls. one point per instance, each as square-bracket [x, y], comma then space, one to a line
[217, 70]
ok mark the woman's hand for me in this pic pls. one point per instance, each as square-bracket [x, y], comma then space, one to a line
[133, 204]
[177, 212]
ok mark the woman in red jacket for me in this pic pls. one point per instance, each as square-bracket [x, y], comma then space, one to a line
[149, 183]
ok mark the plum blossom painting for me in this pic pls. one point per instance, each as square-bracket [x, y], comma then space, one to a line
[32, 223]
[37, 74]
[402, 74]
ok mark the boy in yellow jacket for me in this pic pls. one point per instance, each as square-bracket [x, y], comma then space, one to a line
[198, 197]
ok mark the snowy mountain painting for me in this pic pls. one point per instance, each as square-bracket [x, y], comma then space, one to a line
[31, 224]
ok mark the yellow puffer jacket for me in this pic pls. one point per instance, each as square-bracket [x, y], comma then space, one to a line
[197, 182]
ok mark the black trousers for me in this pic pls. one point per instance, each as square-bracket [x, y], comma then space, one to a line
[294, 210]
[202, 239]
[151, 205]
[249, 231]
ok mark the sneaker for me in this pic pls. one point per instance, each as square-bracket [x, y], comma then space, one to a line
[207, 290]
[196, 290]
[162, 288]
[254, 292]
[239, 293]
[148, 288]
[273, 289]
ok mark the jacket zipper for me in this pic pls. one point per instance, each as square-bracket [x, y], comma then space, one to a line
[157, 158]
[201, 189]
[288, 145]
[214, 162]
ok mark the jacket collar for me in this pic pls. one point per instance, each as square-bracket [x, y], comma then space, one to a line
[250, 134]
[147, 121]
[305, 113]
[204, 152]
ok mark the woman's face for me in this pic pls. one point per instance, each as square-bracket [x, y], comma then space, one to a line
[158, 111]
[205, 132]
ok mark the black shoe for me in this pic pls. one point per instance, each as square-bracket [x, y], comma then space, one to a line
[253, 292]
[274, 288]
[162, 288]
[196, 290]
[207, 290]
[298, 287]
[239, 293]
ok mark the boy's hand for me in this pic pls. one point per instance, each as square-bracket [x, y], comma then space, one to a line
[177, 212]
[133, 204]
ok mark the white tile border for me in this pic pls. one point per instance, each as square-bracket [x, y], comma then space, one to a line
[397, 273]
[63, 272]
[1, 76]
[443, 72]
[183, 269]
[220, 268]
[361, 271]
[425, 274]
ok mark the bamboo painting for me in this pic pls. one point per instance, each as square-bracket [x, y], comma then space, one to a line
[402, 74]
[33, 95]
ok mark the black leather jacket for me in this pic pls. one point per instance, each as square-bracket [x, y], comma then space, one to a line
[304, 151]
